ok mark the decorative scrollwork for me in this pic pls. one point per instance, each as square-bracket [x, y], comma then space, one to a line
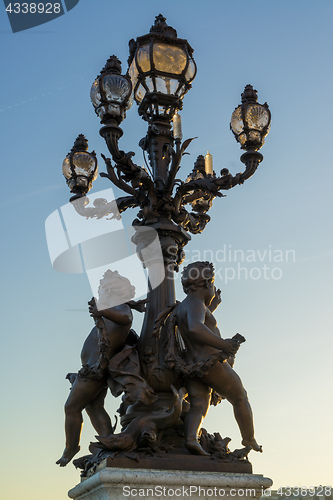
[163, 198]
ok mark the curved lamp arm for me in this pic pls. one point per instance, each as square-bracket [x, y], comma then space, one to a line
[102, 207]
[201, 187]
[115, 180]
[130, 171]
[251, 159]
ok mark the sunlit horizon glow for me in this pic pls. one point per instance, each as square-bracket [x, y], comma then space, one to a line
[284, 50]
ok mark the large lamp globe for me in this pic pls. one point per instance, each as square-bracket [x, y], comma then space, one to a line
[161, 68]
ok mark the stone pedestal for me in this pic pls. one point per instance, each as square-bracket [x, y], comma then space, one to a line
[119, 484]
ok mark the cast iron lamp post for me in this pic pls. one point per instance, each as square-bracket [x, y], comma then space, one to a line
[161, 69]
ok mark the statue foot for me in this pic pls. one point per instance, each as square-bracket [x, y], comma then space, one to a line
[253, 443]
[67, 456]
[194, 447]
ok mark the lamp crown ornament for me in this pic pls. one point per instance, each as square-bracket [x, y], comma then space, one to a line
[199, 164]
[249, 94]
[80, 144]
[112, 65]
[160, 26]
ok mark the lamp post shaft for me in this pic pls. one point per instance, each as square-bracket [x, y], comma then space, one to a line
[159, 144]
[151, 347]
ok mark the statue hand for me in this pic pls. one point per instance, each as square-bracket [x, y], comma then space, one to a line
[217, 296]
[93, 308]
[230, 347]
[217, 299]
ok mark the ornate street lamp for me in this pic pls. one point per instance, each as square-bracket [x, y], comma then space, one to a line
[161, 69]
[250, 123]
[111, 92]
[80, 168]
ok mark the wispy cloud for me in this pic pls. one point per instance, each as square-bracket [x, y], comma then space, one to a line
[47, 91]
[31, 194]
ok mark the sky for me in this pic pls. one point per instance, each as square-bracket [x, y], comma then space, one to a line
[280, 218]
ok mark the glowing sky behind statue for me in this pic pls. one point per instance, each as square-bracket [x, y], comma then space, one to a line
[284, 49]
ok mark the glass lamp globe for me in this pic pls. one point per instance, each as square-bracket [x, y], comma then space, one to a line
[161, 65]
[250, 122]
[80, 167]
[111, 92]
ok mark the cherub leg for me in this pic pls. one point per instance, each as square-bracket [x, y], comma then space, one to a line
[99, 417]
[82, 393]
[224, 380]
[199, 396]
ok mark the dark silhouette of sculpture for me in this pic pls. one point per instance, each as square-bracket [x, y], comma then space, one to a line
[113, 325]
[194, 350]
[179, 344]
[198, 329]
[143, 430]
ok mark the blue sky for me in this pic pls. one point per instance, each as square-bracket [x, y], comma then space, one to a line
[284, 49]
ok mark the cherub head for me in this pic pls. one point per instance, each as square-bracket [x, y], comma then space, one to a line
[199, 276]
[113, 290]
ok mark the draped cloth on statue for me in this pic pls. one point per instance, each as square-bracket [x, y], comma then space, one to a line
[175, 350]
[175, 347]
[125, 376]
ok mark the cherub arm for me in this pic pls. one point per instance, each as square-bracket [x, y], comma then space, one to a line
[203, 335]
[122, 314]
